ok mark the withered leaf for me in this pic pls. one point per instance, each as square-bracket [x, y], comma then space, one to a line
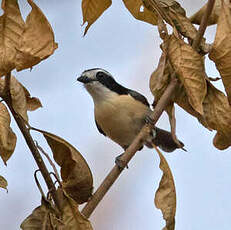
[92, 10]
[11, 28]
[213, 18]
[7, 136]
[172, 5]
[140, 12]
[165, 198]
[160, 78]
[170, 109]
[217, 113]
[189, 66]
[181, 99]
[72, 218]
[43, 218]
[40, 219]
[21, 98]
[3, 182]
[17, 95]
[32, 103]
[75, 172]
[159, 82]
[221, 48]
[37, 41]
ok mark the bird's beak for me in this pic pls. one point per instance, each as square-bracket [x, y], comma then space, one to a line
[84, 79]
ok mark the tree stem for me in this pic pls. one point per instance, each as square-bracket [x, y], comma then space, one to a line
[30, 142]
[203, 25]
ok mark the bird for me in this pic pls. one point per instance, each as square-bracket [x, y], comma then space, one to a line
[120, 112]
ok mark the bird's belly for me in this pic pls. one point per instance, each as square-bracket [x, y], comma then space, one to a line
[121, 122]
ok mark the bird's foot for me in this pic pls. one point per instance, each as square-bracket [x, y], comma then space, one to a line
[120, 163]
[149, 120]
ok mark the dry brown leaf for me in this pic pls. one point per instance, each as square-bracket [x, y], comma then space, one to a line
[3, 182]
[172, 5]
[75, 173]
[165, 198]
[160, 78]
[32, 103]
[92, 10]
[159, 82]
[43, 218]
[17, 95]
[37, 41]
[7, 136]
[213, 18]
[181, 99]
[217, 113]
[40, 219]
[221, 49]
[140, 12]
[170, 109]
[187, 29]
[72, 218]
[189, 66]
[11, 28]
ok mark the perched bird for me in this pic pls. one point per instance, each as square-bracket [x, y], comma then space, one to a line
[120, 113]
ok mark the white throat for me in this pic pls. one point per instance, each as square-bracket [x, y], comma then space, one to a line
[99, 92]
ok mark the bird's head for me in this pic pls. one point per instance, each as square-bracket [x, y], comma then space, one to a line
[99, 83]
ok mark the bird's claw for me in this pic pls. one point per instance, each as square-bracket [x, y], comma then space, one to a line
[120, 163]
[149, 120]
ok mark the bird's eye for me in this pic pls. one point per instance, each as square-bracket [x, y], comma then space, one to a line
[100, 75]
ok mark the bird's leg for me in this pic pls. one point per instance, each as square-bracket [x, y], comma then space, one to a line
[120, 163]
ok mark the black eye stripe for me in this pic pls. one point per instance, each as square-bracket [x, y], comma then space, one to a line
[105, 79]
[111, 84]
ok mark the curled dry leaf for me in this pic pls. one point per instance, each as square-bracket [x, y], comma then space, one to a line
[41, 218]
[44, 218]
[181, 99]
[158, 83]
[75, 173]
[3, 182]
[170, 109]
[32, 103]
[7, 136]
[187, 29]
[11, 28]
[140, 12]
[72, 218]
[217, 113]
[160, 78]
[221, 48]
[213, 18]
[17, 96]
[37, 41]
[21, 99]
[165, 198]
[189, 66]
[92, 10]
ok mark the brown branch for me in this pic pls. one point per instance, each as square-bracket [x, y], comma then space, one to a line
[26, 134]
[203, 25]
[130, 152]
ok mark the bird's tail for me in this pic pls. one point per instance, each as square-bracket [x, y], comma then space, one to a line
[164, 140]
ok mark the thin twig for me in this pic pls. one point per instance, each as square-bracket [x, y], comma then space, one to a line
[214, 78]
[49, 160]
[203, 25]
[29, 140]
